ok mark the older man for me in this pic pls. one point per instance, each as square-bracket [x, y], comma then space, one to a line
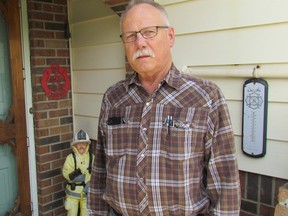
[165, 144]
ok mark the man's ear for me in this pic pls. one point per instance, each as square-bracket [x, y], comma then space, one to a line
[171, 35]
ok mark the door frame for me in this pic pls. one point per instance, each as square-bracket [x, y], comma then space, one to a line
[17, 117]
[20, 124]
[28, 106]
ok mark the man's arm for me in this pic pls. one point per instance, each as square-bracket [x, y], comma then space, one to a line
[95, 204]
[222, 170]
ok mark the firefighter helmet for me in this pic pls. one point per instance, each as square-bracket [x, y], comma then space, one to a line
[81, 136]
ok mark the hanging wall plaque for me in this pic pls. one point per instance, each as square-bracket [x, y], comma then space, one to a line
[55, 82]
[254, 117]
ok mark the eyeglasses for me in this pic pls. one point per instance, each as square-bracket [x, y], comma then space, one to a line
[148, 32]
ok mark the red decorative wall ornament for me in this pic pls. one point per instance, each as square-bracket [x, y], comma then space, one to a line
[55, 82]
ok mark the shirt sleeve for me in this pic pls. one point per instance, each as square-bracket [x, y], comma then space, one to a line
[95, 204]
[223, 186]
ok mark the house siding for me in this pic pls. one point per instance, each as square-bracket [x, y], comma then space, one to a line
[98, 59]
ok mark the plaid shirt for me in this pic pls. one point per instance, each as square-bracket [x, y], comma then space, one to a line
[190, 166]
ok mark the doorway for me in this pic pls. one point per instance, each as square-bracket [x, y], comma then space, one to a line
[14, 168]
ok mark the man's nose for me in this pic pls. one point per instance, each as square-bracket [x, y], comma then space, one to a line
[140, 40]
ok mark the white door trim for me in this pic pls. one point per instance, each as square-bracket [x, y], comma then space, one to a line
[28, 107]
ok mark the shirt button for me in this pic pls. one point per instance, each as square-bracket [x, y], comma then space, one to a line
[149, 102]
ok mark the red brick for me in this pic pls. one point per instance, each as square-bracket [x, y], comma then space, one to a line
[60, 211]
[56, 44]
[66, 152]
[36, 34]
[36, 15]
[45, 199]
[37, 44]
[58, 113]
[60, 18]
[44, 167]
[38, 61]
[242, 213]
[42, 132]
[42, 150]
[43, 52]
[49, 157]
[52, 189]
[46, 106]
[67, 137]
[57, 61]
[36, 25]
[65, 104]
[40, 115]
[61, 2]
[59, 35]
[34, 6]
[54, 8]
[58, 163]
[40, 97]
[242, 176]
[47, 123]
[59, 129]
[45, 183]
[266, 210]
[65, 53]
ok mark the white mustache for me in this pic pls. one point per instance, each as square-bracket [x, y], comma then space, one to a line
[143, 52]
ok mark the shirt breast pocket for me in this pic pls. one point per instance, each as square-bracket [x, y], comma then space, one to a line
[184, 137]
[121, 126]
[117, 143]
[117, 147]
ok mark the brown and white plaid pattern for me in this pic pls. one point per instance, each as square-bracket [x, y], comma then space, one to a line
[142, 167]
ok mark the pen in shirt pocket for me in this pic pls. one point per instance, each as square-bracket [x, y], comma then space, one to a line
[169, 123]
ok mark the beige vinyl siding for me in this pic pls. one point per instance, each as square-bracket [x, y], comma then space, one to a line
[97, 57]
[224, 41]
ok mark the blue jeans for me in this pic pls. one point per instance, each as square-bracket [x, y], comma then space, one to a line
[112, 213]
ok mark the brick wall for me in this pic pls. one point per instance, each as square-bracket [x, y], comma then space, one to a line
[53, 118]
[118, 6]
[259, 194]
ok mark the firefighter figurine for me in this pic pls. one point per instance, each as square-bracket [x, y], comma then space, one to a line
[282, 206]
[77, 172]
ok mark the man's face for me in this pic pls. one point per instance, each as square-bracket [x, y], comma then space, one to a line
[81, 147]
[159, 58]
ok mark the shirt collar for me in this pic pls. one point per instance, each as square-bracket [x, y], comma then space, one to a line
[172, 78]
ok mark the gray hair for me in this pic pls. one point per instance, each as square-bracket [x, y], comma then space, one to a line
[133, 3]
